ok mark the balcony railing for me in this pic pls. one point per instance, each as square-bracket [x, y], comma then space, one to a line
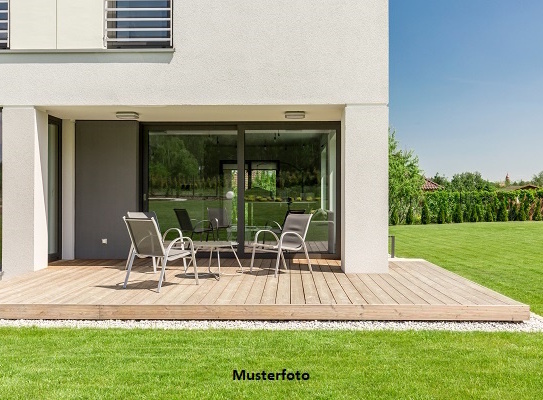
[4, 24]
[138, 24]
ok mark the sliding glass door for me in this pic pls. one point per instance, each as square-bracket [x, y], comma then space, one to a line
[192, 181]
[243, 178]
[291, 171]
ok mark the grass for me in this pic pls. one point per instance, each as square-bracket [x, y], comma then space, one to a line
[504, 256]
[86, 363]
[257, 213]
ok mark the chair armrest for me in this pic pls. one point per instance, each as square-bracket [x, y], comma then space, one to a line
[180, 234]
[210, 225]
[265, 231]
[181, 239]
[277, 225]
[290, 233]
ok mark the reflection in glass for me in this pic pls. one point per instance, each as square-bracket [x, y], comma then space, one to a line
[194, 171]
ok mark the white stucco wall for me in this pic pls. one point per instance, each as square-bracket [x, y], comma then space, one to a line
[226, 53]
[33, 24]
[24, 215]
[80, 24]
[364, 189]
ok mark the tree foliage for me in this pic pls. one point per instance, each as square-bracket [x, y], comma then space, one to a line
[469, 182]
[538, 179]
[404, 180]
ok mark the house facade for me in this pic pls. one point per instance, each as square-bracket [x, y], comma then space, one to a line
[115, 106]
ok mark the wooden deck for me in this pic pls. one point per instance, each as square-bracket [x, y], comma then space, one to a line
[413, 290]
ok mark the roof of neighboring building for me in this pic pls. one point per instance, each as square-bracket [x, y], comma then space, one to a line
[515, 187]
[430, 185]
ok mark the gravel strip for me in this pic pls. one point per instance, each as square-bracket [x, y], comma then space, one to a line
[534, 324]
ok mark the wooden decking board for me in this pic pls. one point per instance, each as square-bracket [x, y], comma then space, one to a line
[391, 290]
[240, 297]
[423, 295]
[413, 290]
[339, 295]
[350, 290]
[368, 296]
[406, 292]
[310, 289]
[463, 281]
[434, 283]
[83, 291]
[383, 296]
[296, 286]
[255, 295]
[475, 295]
[423, 286]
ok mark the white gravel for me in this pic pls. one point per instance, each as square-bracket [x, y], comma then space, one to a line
[535, 324]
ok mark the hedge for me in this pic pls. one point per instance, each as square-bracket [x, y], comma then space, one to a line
[443, 206]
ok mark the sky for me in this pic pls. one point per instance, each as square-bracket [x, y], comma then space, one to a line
[466, 85]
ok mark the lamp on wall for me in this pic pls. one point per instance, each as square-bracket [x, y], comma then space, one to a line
[127, 115]
[294, 114]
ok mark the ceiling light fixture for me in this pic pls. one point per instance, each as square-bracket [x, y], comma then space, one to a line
[127, 115]
[294, 114]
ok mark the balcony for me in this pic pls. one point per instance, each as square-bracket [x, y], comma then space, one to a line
[138, 24]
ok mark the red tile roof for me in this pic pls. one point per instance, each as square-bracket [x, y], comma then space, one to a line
[430, 185]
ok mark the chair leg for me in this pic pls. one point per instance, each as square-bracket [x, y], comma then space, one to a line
[284, 262]
[129, 255]
[308, 260]
[252, 258]
[129, 268]
[279, 254]
[195, 269]
[154, 264]
[162, 273]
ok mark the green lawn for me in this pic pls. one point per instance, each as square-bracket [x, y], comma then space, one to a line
[92, 364]
[504, 256]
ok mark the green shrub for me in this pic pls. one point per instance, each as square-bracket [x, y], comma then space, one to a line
[425, 215]
[537, 211]
[457, 216]
[441, 217]
[394, 219]
[409, 216]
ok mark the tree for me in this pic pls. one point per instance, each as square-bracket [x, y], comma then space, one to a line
[538, 179]
[404, 179]
[441, 180]
[425, 215]
[470, 182]
[537, 211]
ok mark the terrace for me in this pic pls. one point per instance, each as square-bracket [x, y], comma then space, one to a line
[412, 290]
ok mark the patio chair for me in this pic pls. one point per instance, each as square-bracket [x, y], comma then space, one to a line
[277, 228]
[220, 220]
[147, 241]
[141, 214]
[292, 239]
[185, 223]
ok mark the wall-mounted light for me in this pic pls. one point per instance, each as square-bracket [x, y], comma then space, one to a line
[127, 115]
[294, 114]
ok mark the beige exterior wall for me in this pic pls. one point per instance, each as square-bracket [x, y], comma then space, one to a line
[80, 24]
[33, 24]
[24, 183]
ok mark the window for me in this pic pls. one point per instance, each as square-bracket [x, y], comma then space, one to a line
[138, 24]
[4, 24]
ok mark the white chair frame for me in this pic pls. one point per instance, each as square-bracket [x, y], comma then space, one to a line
[170, 253]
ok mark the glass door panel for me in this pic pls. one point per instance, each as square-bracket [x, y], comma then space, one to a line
[291, 171]
[195, 171]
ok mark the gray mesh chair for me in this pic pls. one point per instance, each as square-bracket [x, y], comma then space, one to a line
[142, 214]
[148, 242]
[292, 239]
[185, 223]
